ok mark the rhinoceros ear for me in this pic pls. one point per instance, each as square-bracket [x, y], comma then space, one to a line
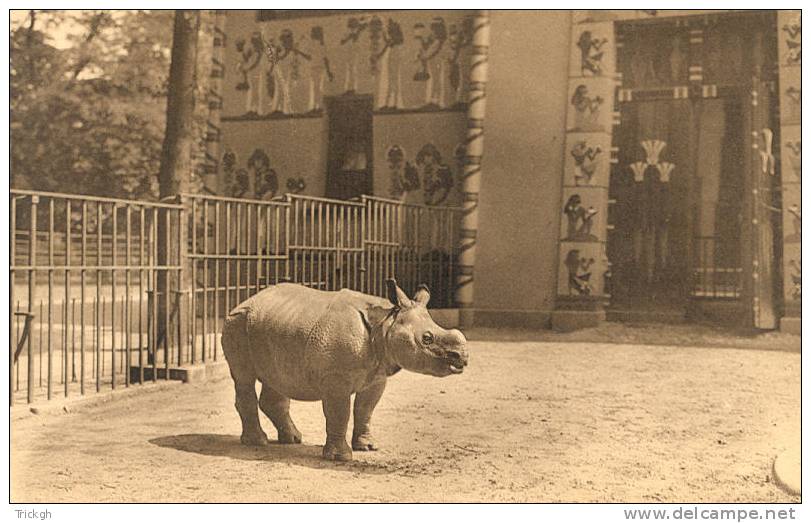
[422, 295]
[396, 294]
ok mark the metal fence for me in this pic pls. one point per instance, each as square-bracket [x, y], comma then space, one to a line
[106, 292]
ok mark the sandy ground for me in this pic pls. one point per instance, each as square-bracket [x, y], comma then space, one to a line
[528, 421]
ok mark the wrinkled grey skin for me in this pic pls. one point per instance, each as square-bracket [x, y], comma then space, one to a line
[314, 345]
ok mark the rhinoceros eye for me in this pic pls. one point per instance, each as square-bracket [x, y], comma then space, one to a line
[427, 338]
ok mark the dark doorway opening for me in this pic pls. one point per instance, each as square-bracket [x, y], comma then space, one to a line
[349, 155]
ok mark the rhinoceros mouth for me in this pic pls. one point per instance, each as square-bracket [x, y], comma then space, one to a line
[455, 368]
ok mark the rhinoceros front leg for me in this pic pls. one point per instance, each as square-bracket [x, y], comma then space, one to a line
[277, 408]
[365, 403]
[336, 410]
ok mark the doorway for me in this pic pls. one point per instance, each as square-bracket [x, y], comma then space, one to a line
[693, 204]
[349, 153]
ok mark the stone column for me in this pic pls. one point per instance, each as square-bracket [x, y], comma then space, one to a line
[582, 260]
[789, 41]
[471, 182]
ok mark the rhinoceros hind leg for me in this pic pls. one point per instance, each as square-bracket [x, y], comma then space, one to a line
[277, 408]
[365, 403]
[336, 410]
[252, 433]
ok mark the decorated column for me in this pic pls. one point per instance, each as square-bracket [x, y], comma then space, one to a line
[214, 100]
[582, 260]
[471, 181]
[789, 36]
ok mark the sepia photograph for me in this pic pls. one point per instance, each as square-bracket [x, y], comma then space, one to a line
[443, 256]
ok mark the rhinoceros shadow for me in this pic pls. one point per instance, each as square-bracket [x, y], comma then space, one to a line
[229, 446]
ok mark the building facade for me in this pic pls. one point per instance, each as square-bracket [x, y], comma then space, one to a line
[629, 163]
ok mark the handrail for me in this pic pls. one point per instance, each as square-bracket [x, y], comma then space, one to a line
[67, 196]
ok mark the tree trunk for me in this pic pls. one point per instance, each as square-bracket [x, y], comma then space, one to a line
[175, 169]
[174, 178]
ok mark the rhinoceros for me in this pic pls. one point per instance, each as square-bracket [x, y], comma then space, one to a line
[313, 345]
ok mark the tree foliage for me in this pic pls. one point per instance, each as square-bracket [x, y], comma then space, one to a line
[88, 104]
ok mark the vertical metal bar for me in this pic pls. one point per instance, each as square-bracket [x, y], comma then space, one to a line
[39, 342]
[112, 303]
[99, 314]
[50, 293]
[32, 261]
[82, 298]
[227, 297]
[67, 292]
[216, 276]
[141, 264]
[204, 261]
[238, 271]
[73, 341]
[128, 301]
[153, 243]
[193, 288]
[166, 292]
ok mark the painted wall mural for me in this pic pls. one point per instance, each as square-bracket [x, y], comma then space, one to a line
[256, 179]
[407, 61]
[427, 172]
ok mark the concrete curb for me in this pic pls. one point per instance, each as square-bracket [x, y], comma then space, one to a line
[787, 470]
[193, 374]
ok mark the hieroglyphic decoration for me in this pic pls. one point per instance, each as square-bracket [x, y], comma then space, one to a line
[792, 32]
[793, 100]
[320, 70]
[437, 177]
[652, 148]
[250, 55]
[587, 108]
[579, 220]
[389, 62]
[795, 213]
[795, 156]
[591, 53]
[404, 176]
[433, 55]
[585, 159]
[257, 179]
[796, 273]
[584, 201]
[789, 65]
[351, 41]
[579, 273]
